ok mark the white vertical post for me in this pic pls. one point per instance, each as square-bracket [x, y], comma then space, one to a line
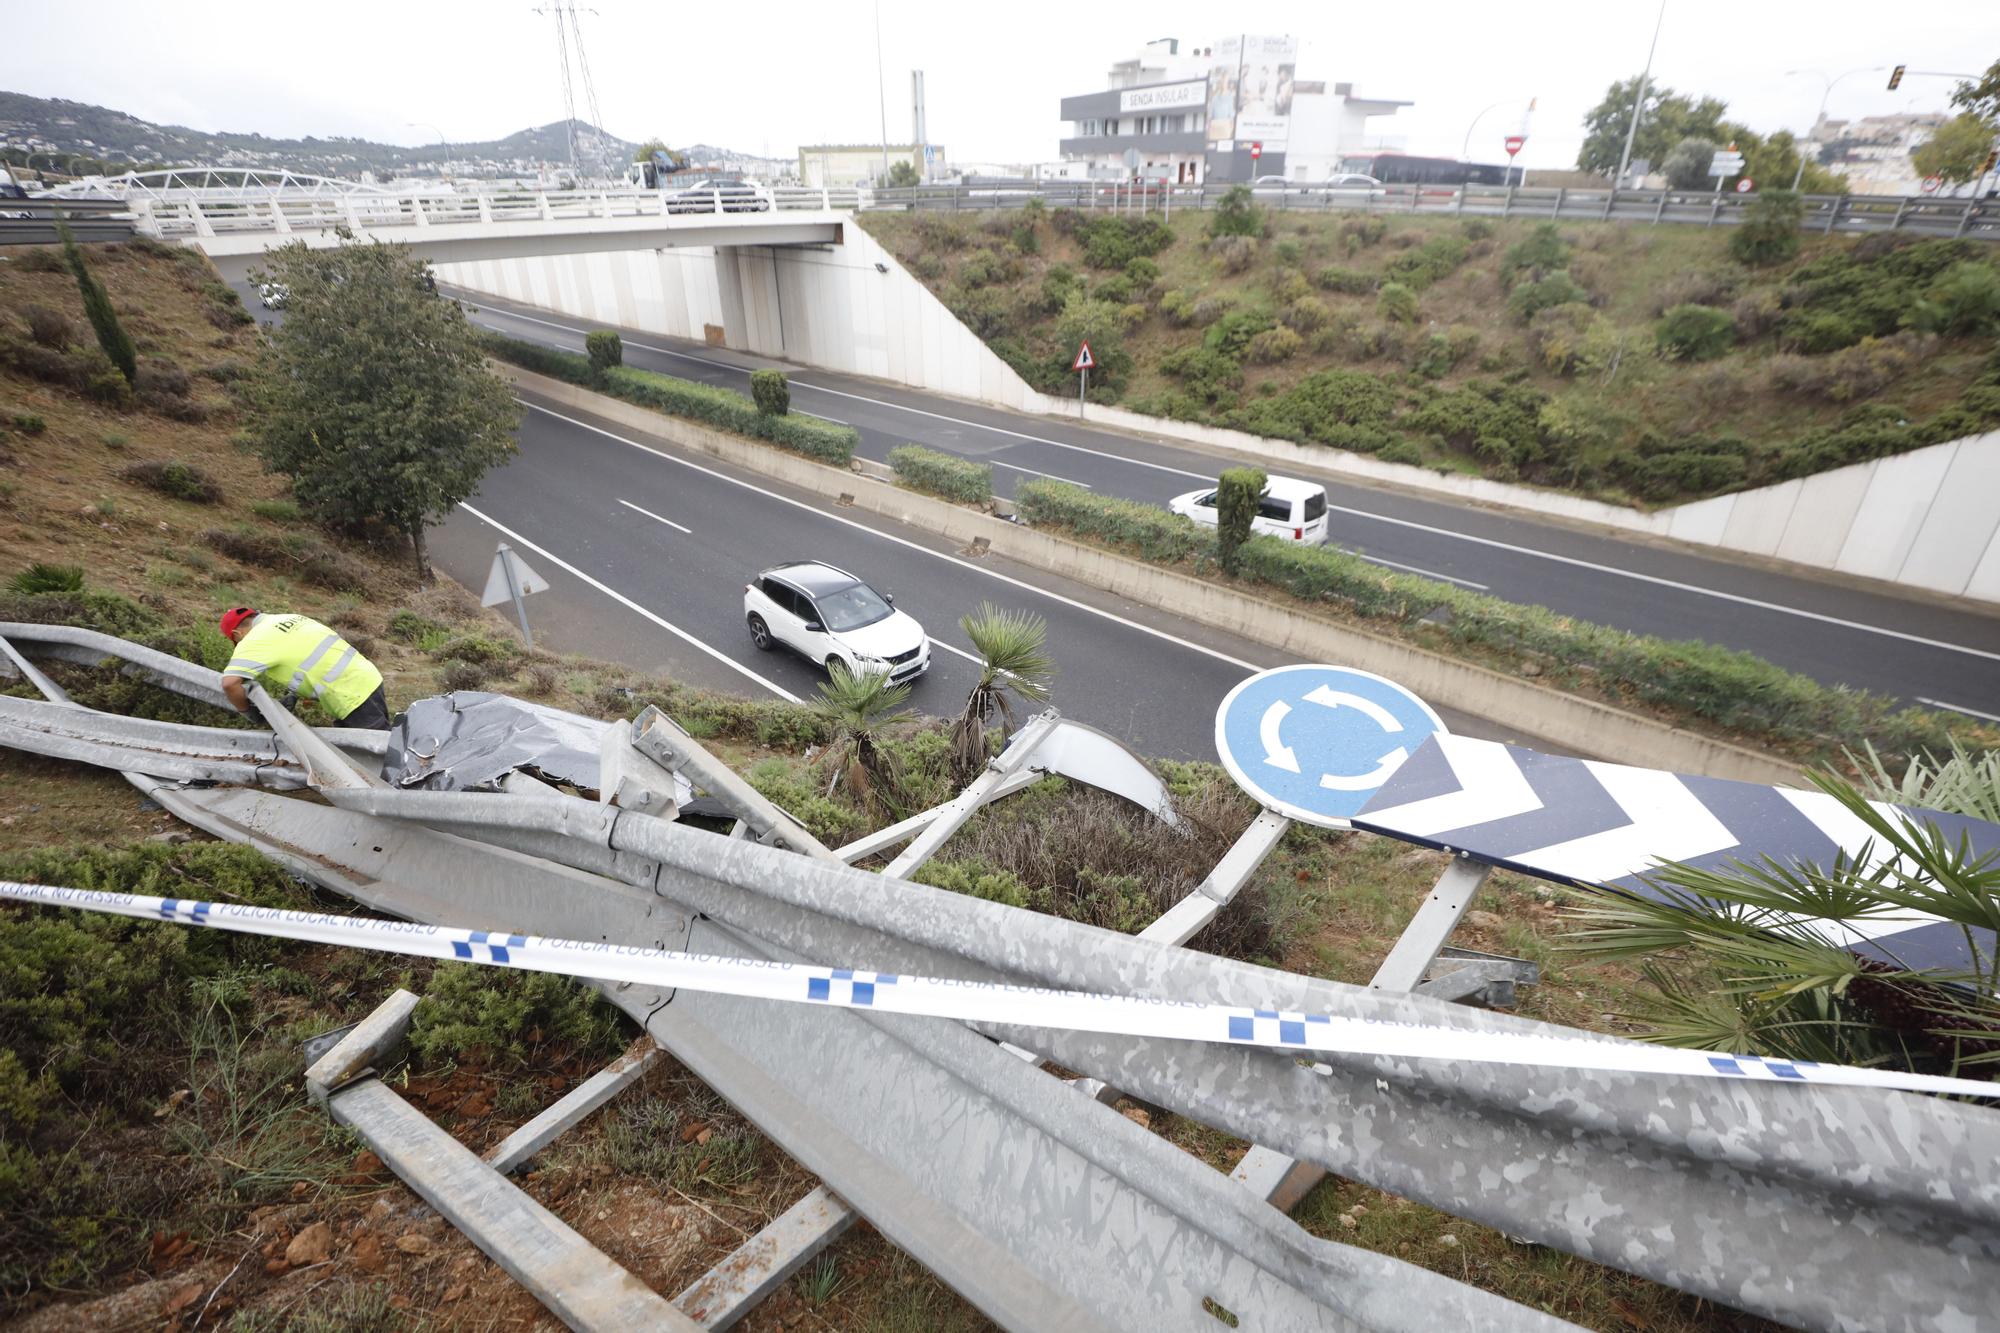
[514, 591]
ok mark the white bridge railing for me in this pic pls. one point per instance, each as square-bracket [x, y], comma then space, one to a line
[282, 213]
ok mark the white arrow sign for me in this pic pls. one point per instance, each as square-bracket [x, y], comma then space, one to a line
[1276, 753]
[1370, 780]
[1376, 713]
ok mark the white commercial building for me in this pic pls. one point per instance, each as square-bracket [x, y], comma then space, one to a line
[1231, 111]
[835, 165]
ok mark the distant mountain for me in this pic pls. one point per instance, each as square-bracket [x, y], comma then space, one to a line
[52, 125]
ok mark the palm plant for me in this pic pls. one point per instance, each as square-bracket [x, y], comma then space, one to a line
[855, 707]
[1013, 663]
[1773, 979]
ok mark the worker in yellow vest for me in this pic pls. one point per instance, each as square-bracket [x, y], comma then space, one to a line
[289, 652]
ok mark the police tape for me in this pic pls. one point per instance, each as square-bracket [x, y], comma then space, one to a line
[982, 1001]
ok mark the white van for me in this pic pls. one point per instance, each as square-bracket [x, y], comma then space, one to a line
[1292, 509]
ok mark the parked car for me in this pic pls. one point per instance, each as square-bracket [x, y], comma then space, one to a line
[827, 615]
[1293, 510]
[738, 196]
[1350, 180]
[274, 295]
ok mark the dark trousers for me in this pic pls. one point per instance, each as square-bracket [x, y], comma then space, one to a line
[371, 714]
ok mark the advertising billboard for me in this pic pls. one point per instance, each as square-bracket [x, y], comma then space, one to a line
[1250, 90]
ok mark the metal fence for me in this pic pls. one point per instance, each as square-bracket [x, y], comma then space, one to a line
[1824, 213]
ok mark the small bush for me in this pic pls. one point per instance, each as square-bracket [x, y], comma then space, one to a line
[1856, 372]
[1178, 307]
[461, 675]
[160, 380]
[1235, 253]
[821, 440]
[945, 475]
[1557, 335]
[1350, 281]
[297, 554]
[38, 259]
[278, 511]
[1695, 333]
[1305, 315]
[1360, 233]
[1769, 232]
[1964, 301]
[1145, 530]
[771, 392]
[1142, 270]
[1697, 287]
[1535, 258]
[1397, 304]
[1756, 314]
[1428, 263]
[605, 349]
[1402, 451]
[410, 627]
[1114, 242]
[928, 267]
[1274, 345]
[511, 1019]
[1533, 295]
[1815, 332]
[40, 578]
[1237, 214]
[28, 423]
[1476, 229]
[50, 328]
[182, 481]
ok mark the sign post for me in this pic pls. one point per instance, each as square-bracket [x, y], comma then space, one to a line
[1515, 143]
[1084, 361]
[1256, 152]
[510, 579]
[1726, 163]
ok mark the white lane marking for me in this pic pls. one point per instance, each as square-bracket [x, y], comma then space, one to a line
[1418, 569]
[1672, 583]
[1958, 708]
[897, 407]
[655, 517]
[1016, 467]
[628, 603]
[1022, 584]
[1002, 430]
[802, 412]
[940, 643]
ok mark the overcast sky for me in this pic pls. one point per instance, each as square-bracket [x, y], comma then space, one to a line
[765, 77]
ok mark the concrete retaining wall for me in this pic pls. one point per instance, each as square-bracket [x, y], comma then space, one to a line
[1920, 519]
[1583, 725]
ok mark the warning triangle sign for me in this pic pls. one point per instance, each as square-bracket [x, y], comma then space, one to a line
[1084, 360]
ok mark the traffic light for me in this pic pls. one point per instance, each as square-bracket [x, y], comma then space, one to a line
[1896, 77]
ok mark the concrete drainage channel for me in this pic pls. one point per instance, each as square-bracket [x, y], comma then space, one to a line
[1565, 721]
[1826, 1207]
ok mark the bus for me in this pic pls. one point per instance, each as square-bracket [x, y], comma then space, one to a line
[1402, 169]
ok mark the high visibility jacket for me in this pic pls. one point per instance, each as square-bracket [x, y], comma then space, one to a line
[297, 653]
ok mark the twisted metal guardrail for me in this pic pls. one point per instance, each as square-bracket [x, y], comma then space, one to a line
[1833, 1209]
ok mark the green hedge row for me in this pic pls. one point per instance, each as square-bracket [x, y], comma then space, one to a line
[816, 439]
[940, 474]
[1729, 689]
[1144, 530]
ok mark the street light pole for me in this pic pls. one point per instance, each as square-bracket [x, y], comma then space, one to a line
[425, 125]
[1639, 99]
[1820, 115]
[881, 94]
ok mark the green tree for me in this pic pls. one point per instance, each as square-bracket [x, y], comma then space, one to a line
[1769, 233]
[1236, 496]
[1981, 97]
[373, 395]
[1665, 118]
[605, 348]
[903, 175]
[1013, 661]
[1237, 214]
[1686, 168]
[855, 708]
[1957, 151]
[111, 335]
[644, 153]
[1774, 161]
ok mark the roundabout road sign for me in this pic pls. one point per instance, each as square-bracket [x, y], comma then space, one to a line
[1315, 742]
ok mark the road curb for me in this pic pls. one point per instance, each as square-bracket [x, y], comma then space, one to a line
[1582, 725]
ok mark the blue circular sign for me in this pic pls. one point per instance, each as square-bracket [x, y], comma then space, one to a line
[1316, 742]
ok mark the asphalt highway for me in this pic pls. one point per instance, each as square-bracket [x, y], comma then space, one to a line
[647, 553]
[1914, 649]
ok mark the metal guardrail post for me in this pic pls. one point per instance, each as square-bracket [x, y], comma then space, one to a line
[1507, 204]
[1833, 213]
[1660, 209]
[1965, 215]
[1556, 211]
[659, 738]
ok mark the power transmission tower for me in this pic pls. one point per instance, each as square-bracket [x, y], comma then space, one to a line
[569, 32]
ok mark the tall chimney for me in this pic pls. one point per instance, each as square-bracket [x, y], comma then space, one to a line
[917, 135]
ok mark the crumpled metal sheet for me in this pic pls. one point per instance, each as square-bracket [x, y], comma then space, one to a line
[468, 740]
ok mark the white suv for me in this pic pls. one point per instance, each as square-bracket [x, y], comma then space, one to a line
[827, 615]
[1293, 510]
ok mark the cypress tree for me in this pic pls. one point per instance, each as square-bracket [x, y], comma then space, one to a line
[111, 335]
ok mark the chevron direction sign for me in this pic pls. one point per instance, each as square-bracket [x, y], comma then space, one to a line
[1601, 825]
[1314, 742]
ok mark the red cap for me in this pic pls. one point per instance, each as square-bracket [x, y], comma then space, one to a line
[233, 617]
